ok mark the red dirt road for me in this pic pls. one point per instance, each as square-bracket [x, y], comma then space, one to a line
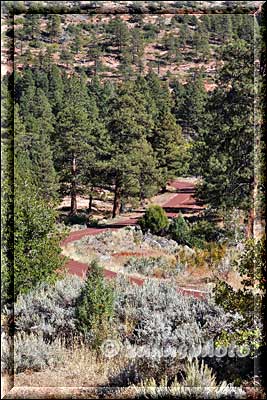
[183, 200]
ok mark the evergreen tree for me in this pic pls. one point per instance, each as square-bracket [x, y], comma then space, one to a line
[77, 43]
[66, 57]
[191, 113]
[225, 150]
[94, 54]
[129, 123]
[41, 80]
[125, 67]
[56, 89]
[179, 97]
[95, 306]
[76, 129]
[54, 26]
[201, 45]
[159, 92]
[148, 175]
[119, 33]
[137, 48]
[103, 95]
[36, 240]
[26, 92]
[31, 25]
[33, 137]
[169, 147]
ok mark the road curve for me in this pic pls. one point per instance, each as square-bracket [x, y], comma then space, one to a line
[183, 199]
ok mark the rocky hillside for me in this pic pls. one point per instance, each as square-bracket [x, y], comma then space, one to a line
[120, 46]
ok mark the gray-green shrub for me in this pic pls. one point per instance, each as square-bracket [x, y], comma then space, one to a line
[49, 310]
[199, 383]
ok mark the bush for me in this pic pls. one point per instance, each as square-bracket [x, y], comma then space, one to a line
[179, 230]
[199, 383]
[155, 219]
[29, 352]
[79, 219]
[164, 322]
[49, 310]
[206, 231]
[151, 265]
[195, 234]
[95, 306]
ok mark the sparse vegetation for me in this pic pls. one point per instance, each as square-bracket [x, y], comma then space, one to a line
[145, 116]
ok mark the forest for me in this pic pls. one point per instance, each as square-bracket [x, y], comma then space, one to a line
[125, 113]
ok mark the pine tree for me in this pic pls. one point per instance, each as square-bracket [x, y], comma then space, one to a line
[129, 123]
[33, 138]
[103, 95]
[54, 26]
[201, 45]
[56, 89]
[74, 141]
[36, 241]
[179, 97]
[169, 147]
[119, 32]
[77, 43]
[27, 92]
[95, 306]
[137, 48]
[184, 35]
[192, 113]
[125, 67]
[225, 150]
[159, 92]
[66, 57]
[148, 175]
[31, 25]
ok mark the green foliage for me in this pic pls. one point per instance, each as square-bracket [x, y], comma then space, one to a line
[197, 234]
[199, 382]
[179, 230]
[95, 306]
[155, 219]
[247, 300]
[36, 239]
[206, 231]
[223, 153]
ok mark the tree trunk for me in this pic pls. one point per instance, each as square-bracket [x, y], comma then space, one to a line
[73, 204]
[250, 226]
[117, 201]
[90, 203]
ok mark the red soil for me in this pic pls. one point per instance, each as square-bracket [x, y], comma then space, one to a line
[180, 201]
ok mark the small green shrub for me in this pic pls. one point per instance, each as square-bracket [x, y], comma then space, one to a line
[205, 231]
[78, 219]
[95, 306]
[92, 222]
[196, 234]
[155, 219]
[179, 231]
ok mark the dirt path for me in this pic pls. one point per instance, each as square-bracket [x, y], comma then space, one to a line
[183, 201]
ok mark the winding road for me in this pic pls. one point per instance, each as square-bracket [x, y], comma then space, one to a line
[182, 201]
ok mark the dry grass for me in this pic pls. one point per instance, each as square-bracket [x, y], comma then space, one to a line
[80, 367]
[82, 375]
